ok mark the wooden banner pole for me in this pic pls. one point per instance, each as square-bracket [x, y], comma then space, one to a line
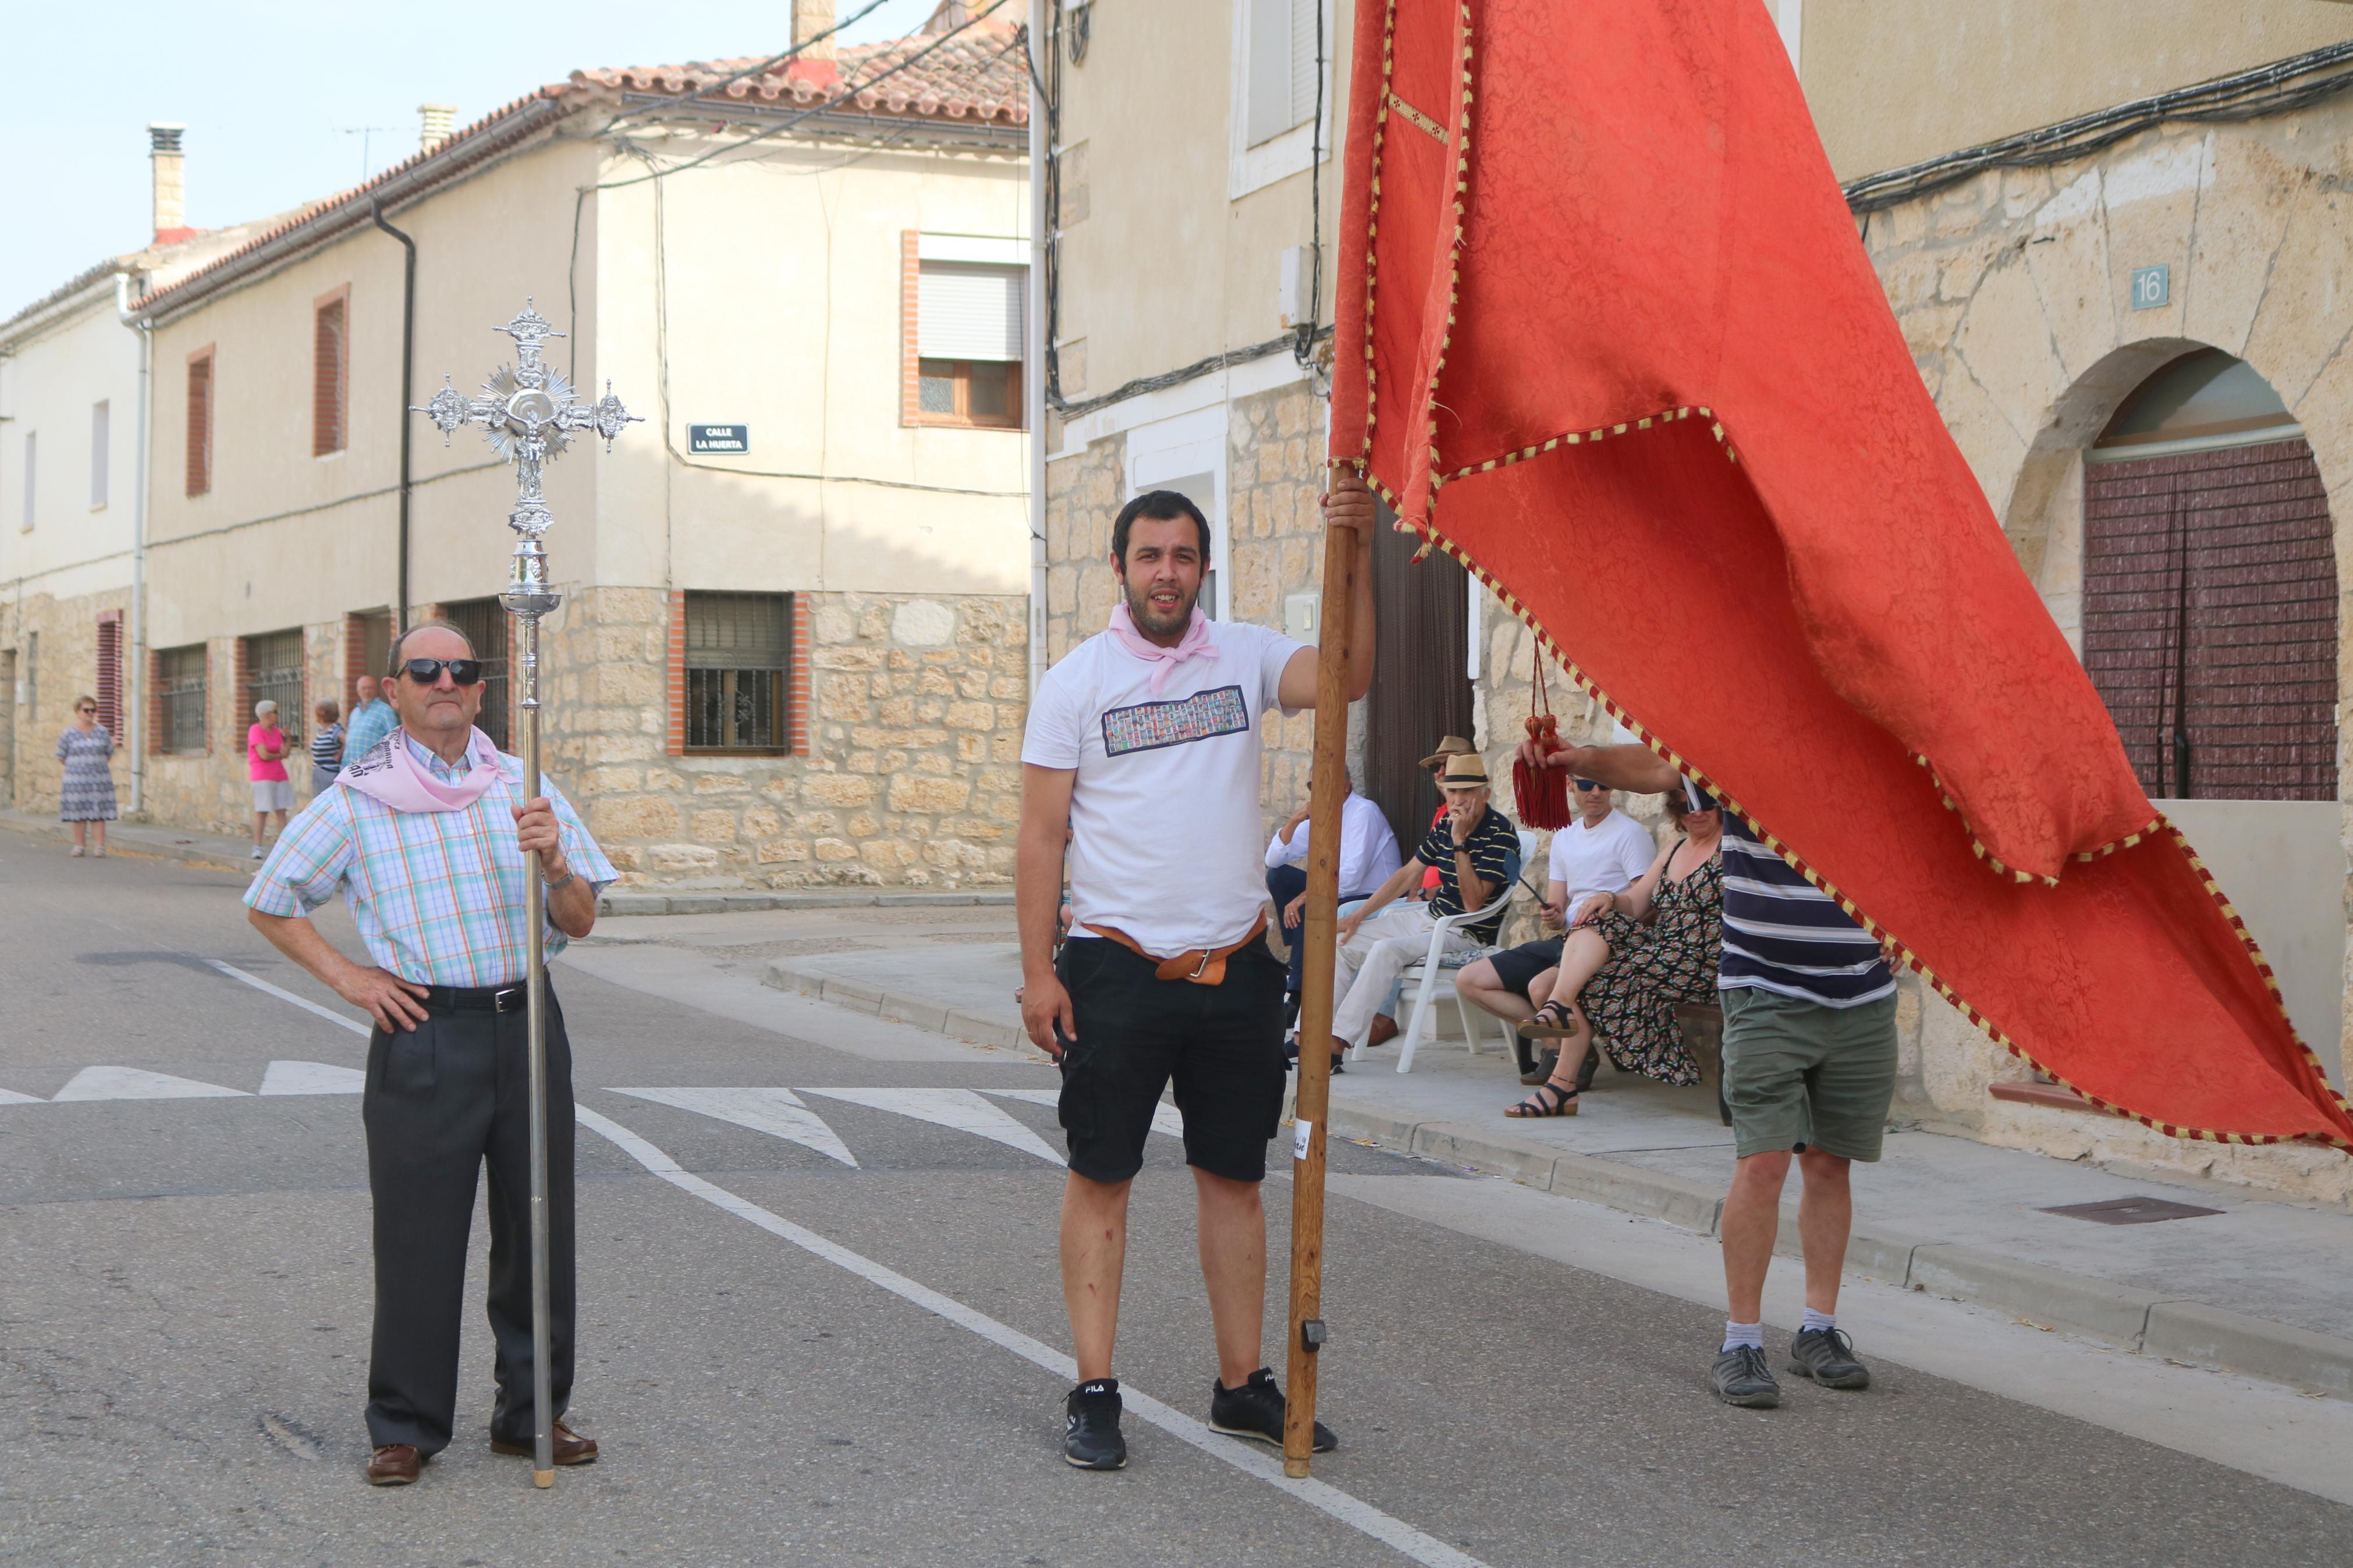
[1328, 790]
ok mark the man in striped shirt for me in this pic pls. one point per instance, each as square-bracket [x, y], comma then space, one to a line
[1809, 1070]
[426, 834]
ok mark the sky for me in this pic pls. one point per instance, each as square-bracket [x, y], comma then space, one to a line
[279, 98]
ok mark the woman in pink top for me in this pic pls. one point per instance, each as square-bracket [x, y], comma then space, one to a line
[266, 746]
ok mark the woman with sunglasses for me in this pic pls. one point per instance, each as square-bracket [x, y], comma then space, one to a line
[1631, 959]
[86, 794]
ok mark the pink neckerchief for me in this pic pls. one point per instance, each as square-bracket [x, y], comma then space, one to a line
[1195, 642]
[390, 772]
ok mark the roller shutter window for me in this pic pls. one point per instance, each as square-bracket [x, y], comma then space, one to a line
[969, 327]
[110, 671]
[1280, 92]
[486, 625]
[99, 446]
[328, 365]
[200, 424]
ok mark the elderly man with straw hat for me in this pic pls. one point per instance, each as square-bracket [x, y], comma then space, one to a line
[1471, 847]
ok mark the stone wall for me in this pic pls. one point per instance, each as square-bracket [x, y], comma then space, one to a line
[912, 776]
[68, 630]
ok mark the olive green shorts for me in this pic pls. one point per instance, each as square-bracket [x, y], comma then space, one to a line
[1798, 1075]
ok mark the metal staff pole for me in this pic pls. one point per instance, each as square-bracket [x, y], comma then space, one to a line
[528, 412]
[1327, 790]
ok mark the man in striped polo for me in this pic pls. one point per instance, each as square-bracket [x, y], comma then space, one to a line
[1809, 1070]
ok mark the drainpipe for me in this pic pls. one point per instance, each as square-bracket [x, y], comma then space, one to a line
[134, 688]
[1033, 383]
[407, 390]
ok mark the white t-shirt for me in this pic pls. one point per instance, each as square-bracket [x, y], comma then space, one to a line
[1607, 858]
[1165, 812]
[1369, 849]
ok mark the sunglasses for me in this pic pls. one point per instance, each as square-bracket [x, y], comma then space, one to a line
[1591, 783]
[427, 671]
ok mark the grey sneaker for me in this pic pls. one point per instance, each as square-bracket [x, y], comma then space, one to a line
[1091, 1439]
[1742, 1378]
[1826, 1356]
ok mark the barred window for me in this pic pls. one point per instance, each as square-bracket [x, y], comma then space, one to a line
[273, 670]
[180, 698]
[738, 651]
[483, 623]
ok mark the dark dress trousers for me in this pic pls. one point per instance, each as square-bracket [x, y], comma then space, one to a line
[440, 1101]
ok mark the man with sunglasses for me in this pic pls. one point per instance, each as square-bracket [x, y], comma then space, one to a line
[426, 835]
[1603, 851]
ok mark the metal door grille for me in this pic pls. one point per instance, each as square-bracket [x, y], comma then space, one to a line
[484, 623]
[738, 651]
[2210, 620]
[180, 698]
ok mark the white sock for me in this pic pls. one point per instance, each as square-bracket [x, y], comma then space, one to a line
[1822, 1320]
[1749, 1334]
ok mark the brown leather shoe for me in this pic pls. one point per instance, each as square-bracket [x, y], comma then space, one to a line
[394, 1465]
[1385, 1030]
[569, 1448]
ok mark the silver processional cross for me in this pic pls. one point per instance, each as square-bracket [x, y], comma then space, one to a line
[530, 412]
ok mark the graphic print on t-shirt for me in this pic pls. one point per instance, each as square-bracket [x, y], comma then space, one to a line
[1149, 726]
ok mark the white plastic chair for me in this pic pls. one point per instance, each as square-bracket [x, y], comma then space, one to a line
[1431, 971]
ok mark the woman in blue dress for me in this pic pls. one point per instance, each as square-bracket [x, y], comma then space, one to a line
[86, 796]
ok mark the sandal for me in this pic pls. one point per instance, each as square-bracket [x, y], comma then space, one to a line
[1562, 1103]
[1554, 1021]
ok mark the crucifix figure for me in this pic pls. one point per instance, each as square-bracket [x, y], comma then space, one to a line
[530, 412]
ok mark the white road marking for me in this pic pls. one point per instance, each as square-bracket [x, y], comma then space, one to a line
[138, 1083]
[958, 1108]
[10, 1096]
[1345, 1507]
[775, 1111]
[1166, 1118]
[311, 1077]
[356, 1025]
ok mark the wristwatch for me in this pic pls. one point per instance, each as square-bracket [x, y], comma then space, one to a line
[563, 882]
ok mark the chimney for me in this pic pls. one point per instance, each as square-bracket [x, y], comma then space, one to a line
[811, 18]
[433, 124]
[167, 165]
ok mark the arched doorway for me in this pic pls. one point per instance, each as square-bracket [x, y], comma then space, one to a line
[2209, 587]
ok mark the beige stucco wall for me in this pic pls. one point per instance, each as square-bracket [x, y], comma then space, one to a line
[1211, 266]
[1883, 77]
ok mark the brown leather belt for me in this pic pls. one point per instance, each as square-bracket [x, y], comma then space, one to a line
[1201, 966]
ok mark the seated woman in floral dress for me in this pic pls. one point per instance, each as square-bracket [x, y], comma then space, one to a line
[1631, 959]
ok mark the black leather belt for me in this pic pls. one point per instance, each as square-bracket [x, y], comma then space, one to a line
[475, 998]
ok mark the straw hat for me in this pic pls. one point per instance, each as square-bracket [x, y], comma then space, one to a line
[1464, 772]
[1448, 746]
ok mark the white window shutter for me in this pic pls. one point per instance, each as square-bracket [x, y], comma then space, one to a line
[969, 311]
[1267, 108]
[1303, 61]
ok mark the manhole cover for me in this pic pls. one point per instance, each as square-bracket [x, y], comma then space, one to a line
[2130, 1211]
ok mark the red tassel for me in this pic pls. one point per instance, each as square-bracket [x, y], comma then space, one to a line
[1541, 793]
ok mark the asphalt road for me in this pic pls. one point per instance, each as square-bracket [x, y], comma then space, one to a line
[790, 1358]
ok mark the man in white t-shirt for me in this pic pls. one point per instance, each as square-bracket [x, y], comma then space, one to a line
[1603, 851]
[1145, 740]
[1369, 856]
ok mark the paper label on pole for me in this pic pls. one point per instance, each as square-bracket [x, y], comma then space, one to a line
[1303, 1134]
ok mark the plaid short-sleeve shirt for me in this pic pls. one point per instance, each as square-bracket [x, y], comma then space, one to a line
[438, 896]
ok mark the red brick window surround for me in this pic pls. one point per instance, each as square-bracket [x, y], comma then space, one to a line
[200, 465]
[110, 673]
[962, 306]
[738, 675]
[330, 372]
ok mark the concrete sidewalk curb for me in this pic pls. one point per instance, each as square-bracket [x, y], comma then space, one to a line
[131, 840]
[2145, 1323]
[720, 903]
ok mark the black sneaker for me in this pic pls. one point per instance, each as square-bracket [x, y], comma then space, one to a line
[1255, 1411]
[1826, 1356]
[1742, 1378]
[1091, 1439]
